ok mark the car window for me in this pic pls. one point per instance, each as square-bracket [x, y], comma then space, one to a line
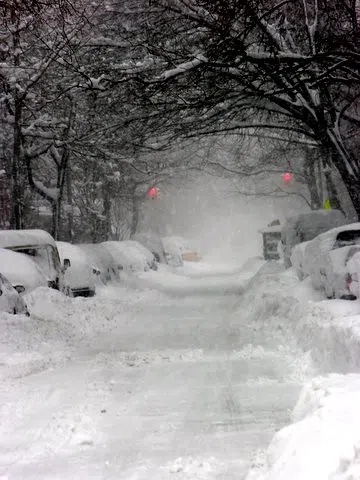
[40, 255]
[346, 238]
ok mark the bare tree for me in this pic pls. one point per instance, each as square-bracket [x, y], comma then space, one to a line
[291, 67]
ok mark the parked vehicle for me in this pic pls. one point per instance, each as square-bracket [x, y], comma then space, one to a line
[336, 279]
[79, 274]
[101, 258]
[21, 271]
[298, 260]
[126, 257]
[178, 249]
[153, 243]
[138, 247]
[41, 247]
[271, 238]
[353, 273]
[319, 260]
[306, 226]
[173, 251]
[10, 299]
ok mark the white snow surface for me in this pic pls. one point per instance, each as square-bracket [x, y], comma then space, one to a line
[188, 374]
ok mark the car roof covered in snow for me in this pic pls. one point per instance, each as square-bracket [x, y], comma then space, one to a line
[20, 238]
[333, 232]
[71, 251]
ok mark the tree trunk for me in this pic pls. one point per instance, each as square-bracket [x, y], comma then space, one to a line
[107, 211]
[332, 192]
[70, 213]
[136, 201]
[55, 207]
[15, 168]
[351, 180]
[310, 178]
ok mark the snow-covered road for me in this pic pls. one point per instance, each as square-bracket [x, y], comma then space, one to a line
[144, 384]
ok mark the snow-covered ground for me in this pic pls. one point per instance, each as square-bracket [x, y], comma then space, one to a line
[183, 374]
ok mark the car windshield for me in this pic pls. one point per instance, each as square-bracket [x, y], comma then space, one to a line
[45, 256]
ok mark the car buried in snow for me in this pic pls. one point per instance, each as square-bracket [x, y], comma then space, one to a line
[327, 256]
[353, 273]
[40, 246]
[153, 243]
[23, 275]
[80, 276]
[100, 257]
[10, 298]
[337, 277]
[150, 258]
[298, 260]
[178, 250]
[306, 226]
[128, 257]
[271, 236]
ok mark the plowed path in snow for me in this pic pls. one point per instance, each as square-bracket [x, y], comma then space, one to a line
[182, 389]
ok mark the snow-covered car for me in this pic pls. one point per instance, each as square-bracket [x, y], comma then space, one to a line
[306, 226]
[173, 251]
[41, 247]
[337, 278]
[271, 236]
[298, 261]
[353, 273]
[317, 250]
[79, 274]
[148, 255]
[10, 298]
[178, 249]
[126, 257]
[101, 258]
[153, 243]
[21, 271]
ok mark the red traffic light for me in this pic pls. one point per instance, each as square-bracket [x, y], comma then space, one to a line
[287, 177]
[152, 192]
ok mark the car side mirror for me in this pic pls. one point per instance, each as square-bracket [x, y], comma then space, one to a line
[67, 263]
[19, 288]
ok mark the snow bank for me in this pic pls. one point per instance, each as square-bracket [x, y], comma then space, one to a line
[61, 328]
[323, 442]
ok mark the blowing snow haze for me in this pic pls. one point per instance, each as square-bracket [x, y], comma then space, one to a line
[219, 221]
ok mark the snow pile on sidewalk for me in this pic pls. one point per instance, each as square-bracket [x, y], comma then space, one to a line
[60, 327]
[323, 443]
[330, 329]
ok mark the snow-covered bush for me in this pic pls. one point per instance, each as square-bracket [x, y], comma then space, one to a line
[306, 226]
